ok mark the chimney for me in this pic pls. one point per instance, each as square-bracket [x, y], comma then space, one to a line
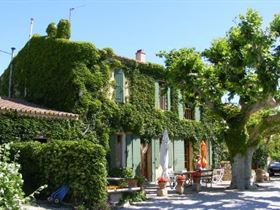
[140, 56]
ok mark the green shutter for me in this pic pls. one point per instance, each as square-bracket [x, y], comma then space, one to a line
[136, 155]
[133, 156]
[119, 78]
[155, 157]
[168, 99]
[179, 155]
[157, 95]
[170, 154]
[180, 105]
[197, 114]
[129, 151]
[113, 140]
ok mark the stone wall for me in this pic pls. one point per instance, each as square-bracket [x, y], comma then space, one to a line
[227, 167]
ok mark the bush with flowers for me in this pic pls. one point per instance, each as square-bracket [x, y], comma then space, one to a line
[11, 194]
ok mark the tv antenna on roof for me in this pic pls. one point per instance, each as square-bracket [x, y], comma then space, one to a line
[31, 27]
[72, 9]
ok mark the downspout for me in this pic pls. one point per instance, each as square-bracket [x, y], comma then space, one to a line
[11, 73]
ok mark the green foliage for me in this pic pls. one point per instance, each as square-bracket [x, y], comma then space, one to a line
[11, 194]
[275, 25]
[79, 164]
[260, 156]
[18, 128]
[121, 172]
[137, 196]
[51, 30]
[245, 63]
[140, 180]
[274, 147]
[73, 76]
[63, 29]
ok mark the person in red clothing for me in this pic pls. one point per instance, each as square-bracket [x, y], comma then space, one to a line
[197, 174]
[198, 166]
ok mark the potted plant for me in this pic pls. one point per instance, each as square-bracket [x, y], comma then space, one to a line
[196, 179]
[162, 182]
[180, 179]
[196, 176]
[140, 180]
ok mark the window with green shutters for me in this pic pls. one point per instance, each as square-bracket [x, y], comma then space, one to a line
[162, 96]
[120, 85]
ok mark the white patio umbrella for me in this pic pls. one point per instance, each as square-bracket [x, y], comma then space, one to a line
[163, 160]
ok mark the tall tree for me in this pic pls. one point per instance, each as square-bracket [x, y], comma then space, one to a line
[243, 64]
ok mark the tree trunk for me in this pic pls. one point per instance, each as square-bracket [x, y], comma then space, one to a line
[241, 170]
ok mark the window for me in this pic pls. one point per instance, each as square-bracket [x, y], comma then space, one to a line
[162, 96]
[163, 102]
[192, 114]
[188, 113]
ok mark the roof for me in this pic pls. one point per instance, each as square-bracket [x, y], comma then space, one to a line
[24, 108]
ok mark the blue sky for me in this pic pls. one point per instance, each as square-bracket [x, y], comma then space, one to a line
[128, 25]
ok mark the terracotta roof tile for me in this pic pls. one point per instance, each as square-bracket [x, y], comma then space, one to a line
[28, 109]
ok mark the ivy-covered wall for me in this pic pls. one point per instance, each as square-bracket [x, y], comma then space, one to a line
[74, 77]
[14, 127]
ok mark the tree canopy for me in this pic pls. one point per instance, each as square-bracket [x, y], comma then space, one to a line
[243, 64]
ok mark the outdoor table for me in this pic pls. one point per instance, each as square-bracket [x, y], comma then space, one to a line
[205, 175]
[188, 175]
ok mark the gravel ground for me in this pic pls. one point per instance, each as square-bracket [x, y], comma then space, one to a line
[47, 206]
[266, 196]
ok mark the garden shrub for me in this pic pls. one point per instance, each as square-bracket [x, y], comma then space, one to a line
[29, 158]
[11, 194]
[260, 156]
[121, 172]
[79, 164]
[133, 197]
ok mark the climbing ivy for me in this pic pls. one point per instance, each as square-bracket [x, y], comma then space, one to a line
[14, 127]
[74, 77]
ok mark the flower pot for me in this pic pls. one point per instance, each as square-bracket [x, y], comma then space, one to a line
[131, 182]
[162, 185]
[196, 179]
[180, 182]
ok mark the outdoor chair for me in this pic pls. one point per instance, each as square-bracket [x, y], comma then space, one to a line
[172, 179]
[206, 177]
[218, 175]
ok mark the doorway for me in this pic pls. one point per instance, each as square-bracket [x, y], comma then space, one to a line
[146, 160]
[188, 155]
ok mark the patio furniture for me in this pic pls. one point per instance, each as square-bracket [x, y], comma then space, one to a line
[218, 175]
[207, 177]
